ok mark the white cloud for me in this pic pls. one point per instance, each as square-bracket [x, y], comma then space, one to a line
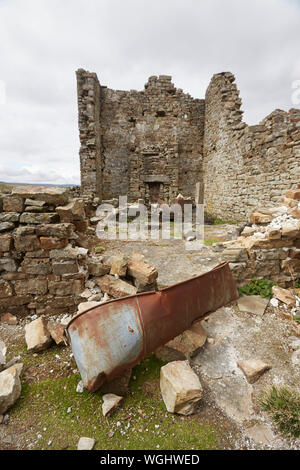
[43, 42]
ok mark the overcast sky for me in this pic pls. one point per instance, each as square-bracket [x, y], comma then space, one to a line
[43, 42]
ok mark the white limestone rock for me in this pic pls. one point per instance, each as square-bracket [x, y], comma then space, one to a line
[180, 388]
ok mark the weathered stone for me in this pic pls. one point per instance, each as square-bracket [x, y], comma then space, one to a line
[115, 287]
[8, 264]
[72, 211]
[190, 341]
[87, 306]
[290, 266]
[36, 266]
[31, 286]
[9, 217]
[290, 232]
[27, 243]
[5, 289]
[10, 389]
[293, 194]
[235, 255]
[5, 226]
[143, 272]
[110, 403]
[86, 443]
[6, 242]
[253, 369]
[13, 204]
[259, 218]
[37, 335]
[56, 230]
[180, 388]
[35, 203]
[284, 295]
[45, 218]
[69, 253]
[119, 265]
[51, 195]
[9, 319]
[14, 301]
[64, 267]
[18, 367]
[97, 268]
[253, 304]
[51, 243]
[3, 351]
[56, 331]
[68, 287]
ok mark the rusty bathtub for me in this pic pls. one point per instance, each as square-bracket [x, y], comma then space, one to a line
[112, 337]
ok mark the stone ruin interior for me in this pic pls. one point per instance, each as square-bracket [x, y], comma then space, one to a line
[152, 146]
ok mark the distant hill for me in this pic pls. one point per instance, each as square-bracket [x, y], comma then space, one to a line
[38, 184]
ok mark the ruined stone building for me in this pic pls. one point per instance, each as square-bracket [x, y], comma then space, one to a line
[156, 143]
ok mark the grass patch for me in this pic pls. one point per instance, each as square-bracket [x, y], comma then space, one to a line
[210, 241]
[142, 422]
[218, 221]
[262, 287]
[283, 405]
[99, 249]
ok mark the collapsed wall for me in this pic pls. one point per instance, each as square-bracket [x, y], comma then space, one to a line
[269, 247]
[246, 166]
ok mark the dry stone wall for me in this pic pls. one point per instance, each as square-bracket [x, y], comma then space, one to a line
[41, 268]
[246, 166]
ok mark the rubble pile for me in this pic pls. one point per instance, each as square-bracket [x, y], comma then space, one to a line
[269, 247]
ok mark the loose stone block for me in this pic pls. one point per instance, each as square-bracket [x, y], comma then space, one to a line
[37, 335]
[253, 369]
[115, 287]
[180, 388]
[10, 389]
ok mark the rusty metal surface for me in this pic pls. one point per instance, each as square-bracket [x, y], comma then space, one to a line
[112, 337]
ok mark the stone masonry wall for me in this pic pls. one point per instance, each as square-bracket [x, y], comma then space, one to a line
[246, 166]
[41, 268]
[152, 136]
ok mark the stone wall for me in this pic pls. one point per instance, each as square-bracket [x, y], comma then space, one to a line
[41, 268]
[246, 166]
[269, 247]
[143, 144]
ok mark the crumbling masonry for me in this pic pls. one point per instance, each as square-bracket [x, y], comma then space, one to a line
[159, 142]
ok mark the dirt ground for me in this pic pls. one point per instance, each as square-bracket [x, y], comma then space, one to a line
[50, 414]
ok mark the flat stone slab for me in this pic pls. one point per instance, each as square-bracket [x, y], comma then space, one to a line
[261, 434]
[253, 304]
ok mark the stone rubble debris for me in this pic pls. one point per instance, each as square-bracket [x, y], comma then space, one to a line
[10, 388]
[110, 403]
[86, 443]
[180, 388]
[37, 335]
[253, 369]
